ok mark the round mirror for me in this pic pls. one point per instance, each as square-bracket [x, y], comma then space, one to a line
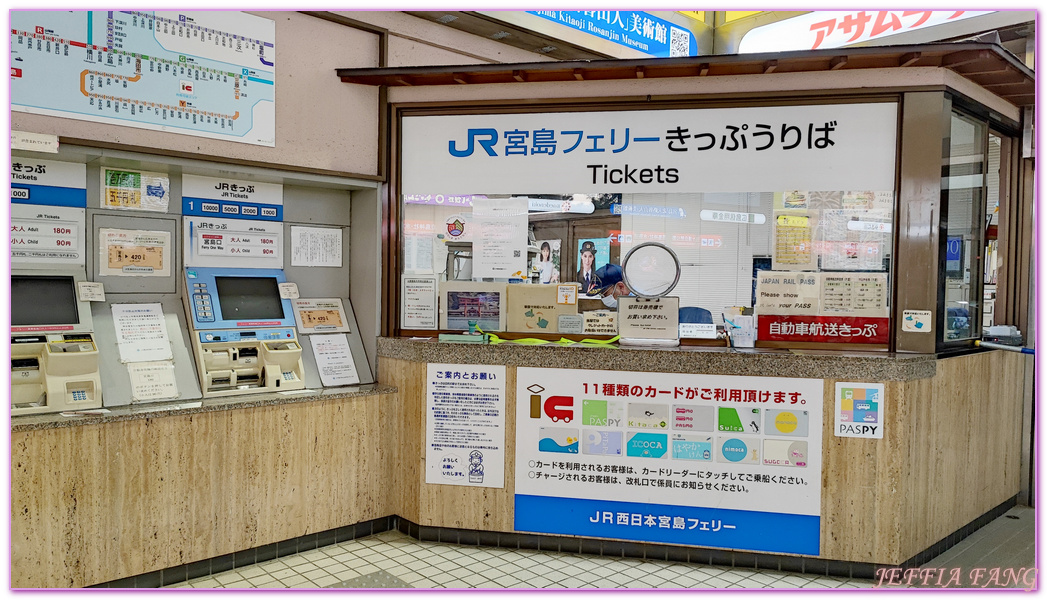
[651, 270]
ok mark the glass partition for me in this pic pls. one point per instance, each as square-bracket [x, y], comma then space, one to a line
[963, 191]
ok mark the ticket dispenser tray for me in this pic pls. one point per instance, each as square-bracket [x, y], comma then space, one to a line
[54, 373]
[248, 362]
[54, 355]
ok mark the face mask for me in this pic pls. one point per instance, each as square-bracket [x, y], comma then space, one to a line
[609, 301]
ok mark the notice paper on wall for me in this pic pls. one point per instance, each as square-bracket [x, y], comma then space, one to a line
[154, 380]
[793, 241]
[500, 239]
[465, 425]
[132, 253]
[334, 359]
[418, 247]
[419, 303]
[141, 332]
[316, 247]
[822, 307]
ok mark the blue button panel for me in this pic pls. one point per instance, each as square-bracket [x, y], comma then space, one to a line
[235, 335]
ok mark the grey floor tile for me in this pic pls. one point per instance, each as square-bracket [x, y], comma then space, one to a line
[1005, 542]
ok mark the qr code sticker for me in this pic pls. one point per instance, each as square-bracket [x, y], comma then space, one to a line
[516, 254]
[679, 42]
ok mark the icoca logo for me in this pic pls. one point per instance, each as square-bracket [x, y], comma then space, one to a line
[649, 444]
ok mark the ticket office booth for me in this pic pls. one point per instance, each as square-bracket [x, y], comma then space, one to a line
[819, 190]
[113, 261]
[733, 194]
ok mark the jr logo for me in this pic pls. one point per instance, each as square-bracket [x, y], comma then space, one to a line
[486, 138]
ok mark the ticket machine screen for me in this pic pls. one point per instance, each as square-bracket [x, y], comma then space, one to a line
[246, 298]
[43, 300]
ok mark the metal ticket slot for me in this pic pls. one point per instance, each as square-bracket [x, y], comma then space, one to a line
[54, 357]
[243, 333]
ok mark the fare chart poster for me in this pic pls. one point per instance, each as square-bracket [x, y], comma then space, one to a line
[705, 460]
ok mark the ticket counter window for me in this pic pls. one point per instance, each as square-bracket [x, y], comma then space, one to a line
[724, 241]
[805, 193]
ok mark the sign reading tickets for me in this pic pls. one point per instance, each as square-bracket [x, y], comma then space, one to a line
[232, 198]
[700, 460]
[48, 208]
[232, 243]
[465, 425]
[848, 308]
[817, 147]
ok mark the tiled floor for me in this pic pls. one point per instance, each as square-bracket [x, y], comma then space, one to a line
[395, 560]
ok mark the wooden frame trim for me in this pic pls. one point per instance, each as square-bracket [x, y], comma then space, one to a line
[161, 152]
[978, 62]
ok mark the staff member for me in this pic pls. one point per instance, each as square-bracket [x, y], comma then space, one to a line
[587, 274]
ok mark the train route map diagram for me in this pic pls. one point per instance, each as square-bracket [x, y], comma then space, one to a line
[201, 73]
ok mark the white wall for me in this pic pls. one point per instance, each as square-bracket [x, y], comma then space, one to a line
[321, 123]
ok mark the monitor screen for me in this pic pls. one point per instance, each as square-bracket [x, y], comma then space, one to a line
[246, 298]
[43, 300]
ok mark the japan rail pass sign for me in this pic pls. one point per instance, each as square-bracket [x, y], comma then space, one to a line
[816, 147]
[700, 460]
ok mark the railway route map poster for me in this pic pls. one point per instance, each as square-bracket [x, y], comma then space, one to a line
[203, 73]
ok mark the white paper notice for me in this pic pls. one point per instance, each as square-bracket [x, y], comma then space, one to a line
[153, 380]
[132, 253]
[316, 247]
[141, 332]
[90, 291]
[334, 359]
[419, 302]
[500, 239]
[418, 251]
[465, 425]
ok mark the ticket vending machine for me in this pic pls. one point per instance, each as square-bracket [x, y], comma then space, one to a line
[243, 332]
[54, 357]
